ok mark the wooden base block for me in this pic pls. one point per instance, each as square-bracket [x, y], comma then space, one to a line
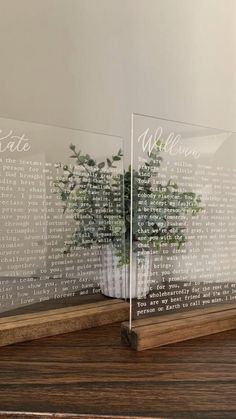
[158, 331]
[64, 320]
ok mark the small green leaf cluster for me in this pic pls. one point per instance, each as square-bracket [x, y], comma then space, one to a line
[92, 192]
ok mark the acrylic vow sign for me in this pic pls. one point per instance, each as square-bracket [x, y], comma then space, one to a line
[61, 216]
[183, 218]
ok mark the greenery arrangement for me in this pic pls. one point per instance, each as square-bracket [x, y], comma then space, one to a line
[92, 191]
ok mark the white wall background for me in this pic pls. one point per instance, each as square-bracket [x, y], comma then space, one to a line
[90, 63]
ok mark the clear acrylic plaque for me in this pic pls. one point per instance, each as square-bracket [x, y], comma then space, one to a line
[183, 218]
[61, 216]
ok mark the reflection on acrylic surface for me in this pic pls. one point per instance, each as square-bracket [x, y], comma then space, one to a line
[184, 200]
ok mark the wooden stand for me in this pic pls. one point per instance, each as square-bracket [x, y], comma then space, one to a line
[31, 326]
[158, 331]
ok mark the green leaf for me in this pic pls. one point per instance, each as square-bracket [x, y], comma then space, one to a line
[91, 162]
[101, 165]
[81, 159]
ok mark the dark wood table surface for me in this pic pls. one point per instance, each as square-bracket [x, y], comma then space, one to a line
[91, 373]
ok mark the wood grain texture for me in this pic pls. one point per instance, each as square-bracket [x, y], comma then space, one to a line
[64, 320]
[25, 415]
[157, 331]
[90, 373]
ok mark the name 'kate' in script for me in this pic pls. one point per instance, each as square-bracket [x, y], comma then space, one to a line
[14, 143]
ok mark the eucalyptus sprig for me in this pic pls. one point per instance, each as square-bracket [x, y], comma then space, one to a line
[92, 192]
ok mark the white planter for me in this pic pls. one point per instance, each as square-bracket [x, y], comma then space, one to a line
[116, 280]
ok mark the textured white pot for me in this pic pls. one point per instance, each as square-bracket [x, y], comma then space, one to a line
[116, 280]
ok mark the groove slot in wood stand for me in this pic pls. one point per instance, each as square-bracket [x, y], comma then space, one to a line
[64, 320]
[153, 332]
